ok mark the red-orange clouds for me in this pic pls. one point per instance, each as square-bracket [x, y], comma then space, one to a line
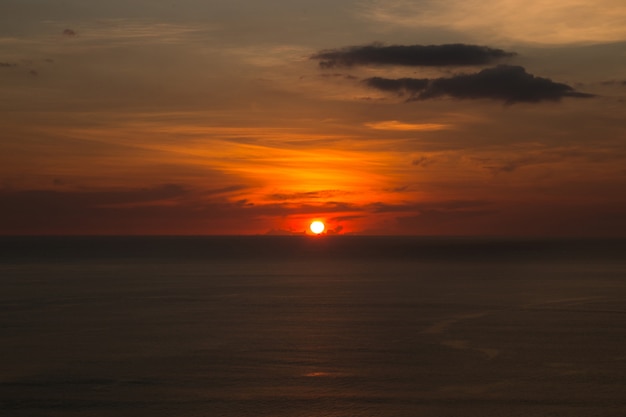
[217, 121]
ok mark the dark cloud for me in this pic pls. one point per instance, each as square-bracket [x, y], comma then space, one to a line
[69, 32]
[410, 55]
[508, 83]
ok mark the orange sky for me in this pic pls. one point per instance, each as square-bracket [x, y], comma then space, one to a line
[133, 117]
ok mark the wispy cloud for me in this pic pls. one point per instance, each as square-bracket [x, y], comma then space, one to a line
[399, 126]
[533, 21]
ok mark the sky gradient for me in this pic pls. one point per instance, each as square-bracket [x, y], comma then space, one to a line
[377, 117]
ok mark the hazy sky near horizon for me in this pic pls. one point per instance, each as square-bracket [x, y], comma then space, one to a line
[377, 116]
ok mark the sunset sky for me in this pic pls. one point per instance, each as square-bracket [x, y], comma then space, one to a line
[416, 117]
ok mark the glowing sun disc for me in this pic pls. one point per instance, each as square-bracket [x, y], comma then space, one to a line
[317, 227]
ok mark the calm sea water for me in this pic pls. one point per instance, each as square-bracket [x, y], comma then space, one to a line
[312, 327]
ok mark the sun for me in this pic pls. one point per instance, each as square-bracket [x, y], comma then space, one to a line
[317, 227]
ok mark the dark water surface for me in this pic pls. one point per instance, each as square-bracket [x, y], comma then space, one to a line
[298, 326]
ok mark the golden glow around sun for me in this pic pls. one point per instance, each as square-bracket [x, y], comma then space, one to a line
[317, 227]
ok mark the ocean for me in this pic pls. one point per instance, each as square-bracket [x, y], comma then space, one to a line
[303, 326]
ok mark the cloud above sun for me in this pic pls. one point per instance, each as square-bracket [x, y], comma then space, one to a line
[507, 83]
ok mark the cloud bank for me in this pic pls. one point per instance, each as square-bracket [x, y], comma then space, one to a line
[410, 55]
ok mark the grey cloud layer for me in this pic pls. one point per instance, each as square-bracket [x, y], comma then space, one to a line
[410, 55]
[504, 82]
[508, 83]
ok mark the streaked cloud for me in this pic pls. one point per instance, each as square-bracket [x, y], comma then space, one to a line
[396, 125]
